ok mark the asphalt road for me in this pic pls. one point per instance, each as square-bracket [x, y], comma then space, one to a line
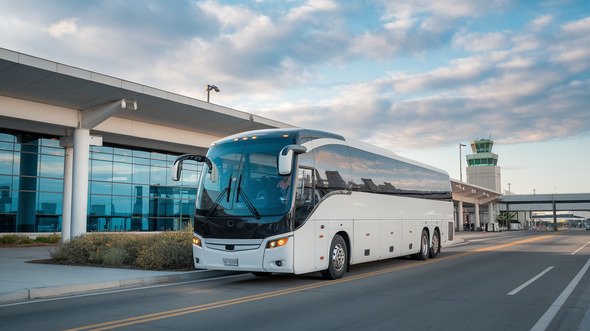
[508, 281]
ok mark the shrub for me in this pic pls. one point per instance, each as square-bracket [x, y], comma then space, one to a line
[52, 239]
[12, 239]
[160, 251]
[9, 239]
[166, 252]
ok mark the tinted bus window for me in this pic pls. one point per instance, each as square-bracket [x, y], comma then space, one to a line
[332, 167]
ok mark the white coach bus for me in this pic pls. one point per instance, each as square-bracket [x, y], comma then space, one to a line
[300, 201]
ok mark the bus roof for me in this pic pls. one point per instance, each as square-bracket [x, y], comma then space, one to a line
[298, 133]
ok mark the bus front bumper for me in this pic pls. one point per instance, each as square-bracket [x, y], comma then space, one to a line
[245, 255]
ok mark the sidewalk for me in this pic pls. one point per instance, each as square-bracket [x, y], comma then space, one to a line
[21, 281]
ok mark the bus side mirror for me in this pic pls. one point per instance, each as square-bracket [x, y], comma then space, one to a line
[286, 158]
[176, 170]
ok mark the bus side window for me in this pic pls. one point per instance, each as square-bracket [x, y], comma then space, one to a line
[305, 199]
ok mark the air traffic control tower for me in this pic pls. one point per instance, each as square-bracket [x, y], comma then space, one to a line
[482, 165]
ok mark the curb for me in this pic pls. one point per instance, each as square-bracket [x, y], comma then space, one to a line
[62, 291]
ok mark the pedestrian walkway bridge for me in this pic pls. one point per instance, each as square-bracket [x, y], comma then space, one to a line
[546, 202]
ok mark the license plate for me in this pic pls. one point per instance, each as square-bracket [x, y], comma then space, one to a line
[230, 262]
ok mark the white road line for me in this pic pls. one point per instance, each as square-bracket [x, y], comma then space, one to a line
[546, 319]
[581, 248]
[516, 290]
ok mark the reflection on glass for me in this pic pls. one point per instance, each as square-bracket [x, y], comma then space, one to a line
[102, 170]
[51, 166]
[122, 189]
[51, 185]
[121, 180]
[122, 172]
[141, 174]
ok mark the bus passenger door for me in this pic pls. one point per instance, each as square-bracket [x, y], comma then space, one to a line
[306, 231]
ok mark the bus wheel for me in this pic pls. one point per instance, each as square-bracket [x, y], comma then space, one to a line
[338, 259]
[423, 255]
[261, 274]
[435, 249]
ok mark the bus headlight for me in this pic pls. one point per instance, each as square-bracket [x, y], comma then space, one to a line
[277, 242]
[197, 242]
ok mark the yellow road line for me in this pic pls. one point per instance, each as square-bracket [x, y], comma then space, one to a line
[230, 302]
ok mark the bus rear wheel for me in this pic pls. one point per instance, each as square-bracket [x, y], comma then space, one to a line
[435, 249]
[424, 251]
[338, 259]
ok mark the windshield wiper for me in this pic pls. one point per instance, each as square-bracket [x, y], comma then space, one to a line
[221, 195]
[249, 204]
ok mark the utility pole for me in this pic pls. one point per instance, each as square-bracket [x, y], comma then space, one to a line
[460, 162]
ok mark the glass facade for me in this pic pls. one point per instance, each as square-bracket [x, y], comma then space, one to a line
[129, 189]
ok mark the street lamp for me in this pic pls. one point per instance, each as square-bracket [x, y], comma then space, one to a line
[460, 162]
[208, 88]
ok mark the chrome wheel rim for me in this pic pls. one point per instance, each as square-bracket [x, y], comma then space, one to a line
[424, 245]
[435, 244]
[338, 257]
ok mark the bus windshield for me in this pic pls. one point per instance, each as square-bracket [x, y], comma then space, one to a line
[247, 183]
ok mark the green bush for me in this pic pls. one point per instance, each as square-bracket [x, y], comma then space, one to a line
[160, 251]
[52, 239]
[168, 251]
[12, 239]
[9, 239]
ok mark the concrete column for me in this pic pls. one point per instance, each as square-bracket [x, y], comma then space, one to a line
[66, 217]
[80, 182]
[492, 215]
[460, 216]
[477, 225]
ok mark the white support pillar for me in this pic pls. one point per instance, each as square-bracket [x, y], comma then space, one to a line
[87, 120]
[477, 221]
[492, 216]
[80, 181]
[460, 215]
[66, 217]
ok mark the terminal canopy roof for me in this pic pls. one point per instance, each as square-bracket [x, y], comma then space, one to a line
[42, 81]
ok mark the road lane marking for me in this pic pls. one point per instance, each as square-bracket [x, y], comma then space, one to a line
[516, 290]
[579, 249]
[546, 319]
[147, 287]
[266, 295]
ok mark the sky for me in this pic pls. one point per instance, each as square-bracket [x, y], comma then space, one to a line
[415, 76]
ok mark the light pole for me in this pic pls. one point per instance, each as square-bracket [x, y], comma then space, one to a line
[460, 162]
[208, 88]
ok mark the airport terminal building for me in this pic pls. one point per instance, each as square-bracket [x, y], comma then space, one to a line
[72, 137]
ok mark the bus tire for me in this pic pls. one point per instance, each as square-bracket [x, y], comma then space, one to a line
[338, 259]
[424, 244]
[435, 249]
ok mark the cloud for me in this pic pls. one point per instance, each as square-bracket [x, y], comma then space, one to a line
[63, 27]
[476, 42]
[396, 73]
[522, 93]
[541, 22]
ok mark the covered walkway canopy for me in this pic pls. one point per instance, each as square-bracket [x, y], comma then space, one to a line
[472, 194]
